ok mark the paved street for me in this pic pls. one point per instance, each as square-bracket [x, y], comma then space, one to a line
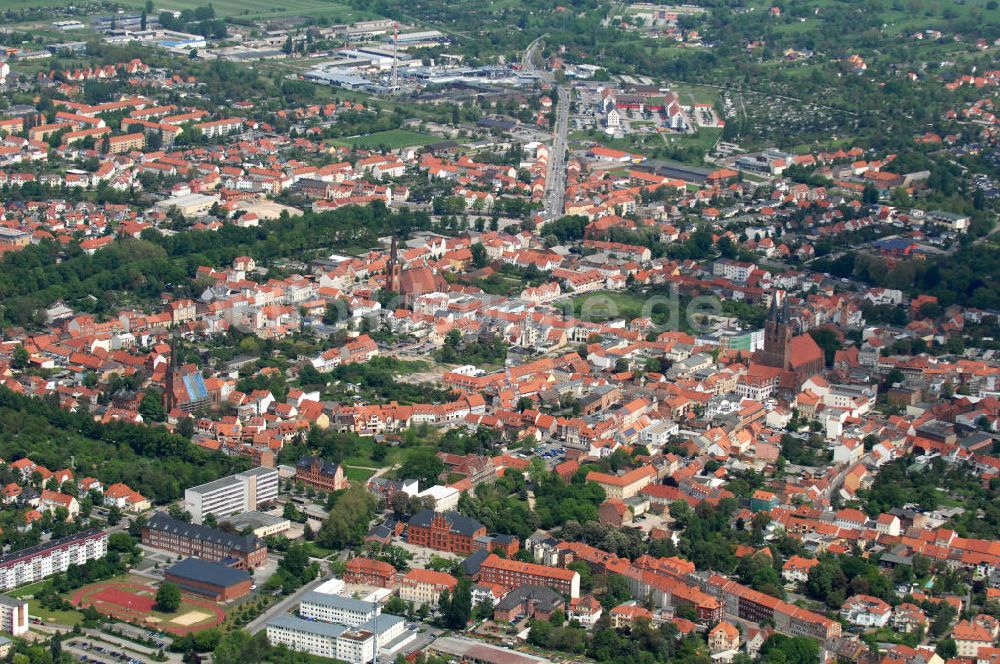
[555, 179]
[283, 606]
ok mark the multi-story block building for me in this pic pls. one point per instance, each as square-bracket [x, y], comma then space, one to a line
[37, 562]
[189, 539]
[337, 609]
[623, 486]
[424, 586]
[235, 494]
[745, 603]
[126, 143]
[514, 574]
[13, 615]
[322, 639]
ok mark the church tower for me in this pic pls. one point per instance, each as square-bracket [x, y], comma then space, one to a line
[169, 396]
[392, 268]
[777, 335]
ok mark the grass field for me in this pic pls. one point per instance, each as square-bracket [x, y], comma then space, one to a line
[69, 618]
[394, 138]
[332, 10]
[356, 474]
[29, 589]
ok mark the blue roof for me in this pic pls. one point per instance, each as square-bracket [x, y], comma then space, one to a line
[892, 243]
[195, 385]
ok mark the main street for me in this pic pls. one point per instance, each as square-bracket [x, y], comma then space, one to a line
[555, 177]
[260, 622]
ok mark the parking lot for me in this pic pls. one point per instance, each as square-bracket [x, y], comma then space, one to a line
[89, 651]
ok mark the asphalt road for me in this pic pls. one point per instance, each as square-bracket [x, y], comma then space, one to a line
[283, 606]
[555, 180]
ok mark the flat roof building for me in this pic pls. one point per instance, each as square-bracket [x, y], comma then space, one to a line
[242, 492]
[209, 579]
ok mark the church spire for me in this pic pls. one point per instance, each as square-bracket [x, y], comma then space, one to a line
[169, 398]
[392, 268]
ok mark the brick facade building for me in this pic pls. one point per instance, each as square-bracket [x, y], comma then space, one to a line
[514, 574]
[188, 539]
[368, 572]
[320, 474]
[444, 531]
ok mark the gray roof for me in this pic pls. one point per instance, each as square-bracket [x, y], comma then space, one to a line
[162, 522]
[457, 523]
[310, 626]
[204, 571]
[338, 601]
[252, 519]
[546, 598]
[472, 564]
[12, 602]
[325, 467]
[220, 483]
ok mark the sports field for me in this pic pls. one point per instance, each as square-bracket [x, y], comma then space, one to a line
[393, 138]
[136, 603]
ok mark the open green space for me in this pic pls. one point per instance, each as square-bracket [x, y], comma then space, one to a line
[393, 138]
[29, 589]
[331, 10]
[250, 9]
[356, 474]
[69, 618]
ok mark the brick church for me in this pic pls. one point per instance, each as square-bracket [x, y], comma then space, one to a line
[411, 282]
[797, 355]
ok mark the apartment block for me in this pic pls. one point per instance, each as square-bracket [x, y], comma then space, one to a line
[37, 562]
[13, 615]
[514, 574]
[235, 494]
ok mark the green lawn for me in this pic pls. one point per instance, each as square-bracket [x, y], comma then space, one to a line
[394, 138]
[364, 456]
[704, 140]
[264, 8]
[697, 94]
[356, 474]
[29, 589]
[62, 617]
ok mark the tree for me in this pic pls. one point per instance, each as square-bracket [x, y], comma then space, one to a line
[151, 407]
[680, 512]
[947, 648]
[114, 515]
[828, 341]
[423, 465]
[456, 614]
[168, 598]
[869, 195]
[780, 649]
[348, 520]
[479, 257]
[21, 357]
